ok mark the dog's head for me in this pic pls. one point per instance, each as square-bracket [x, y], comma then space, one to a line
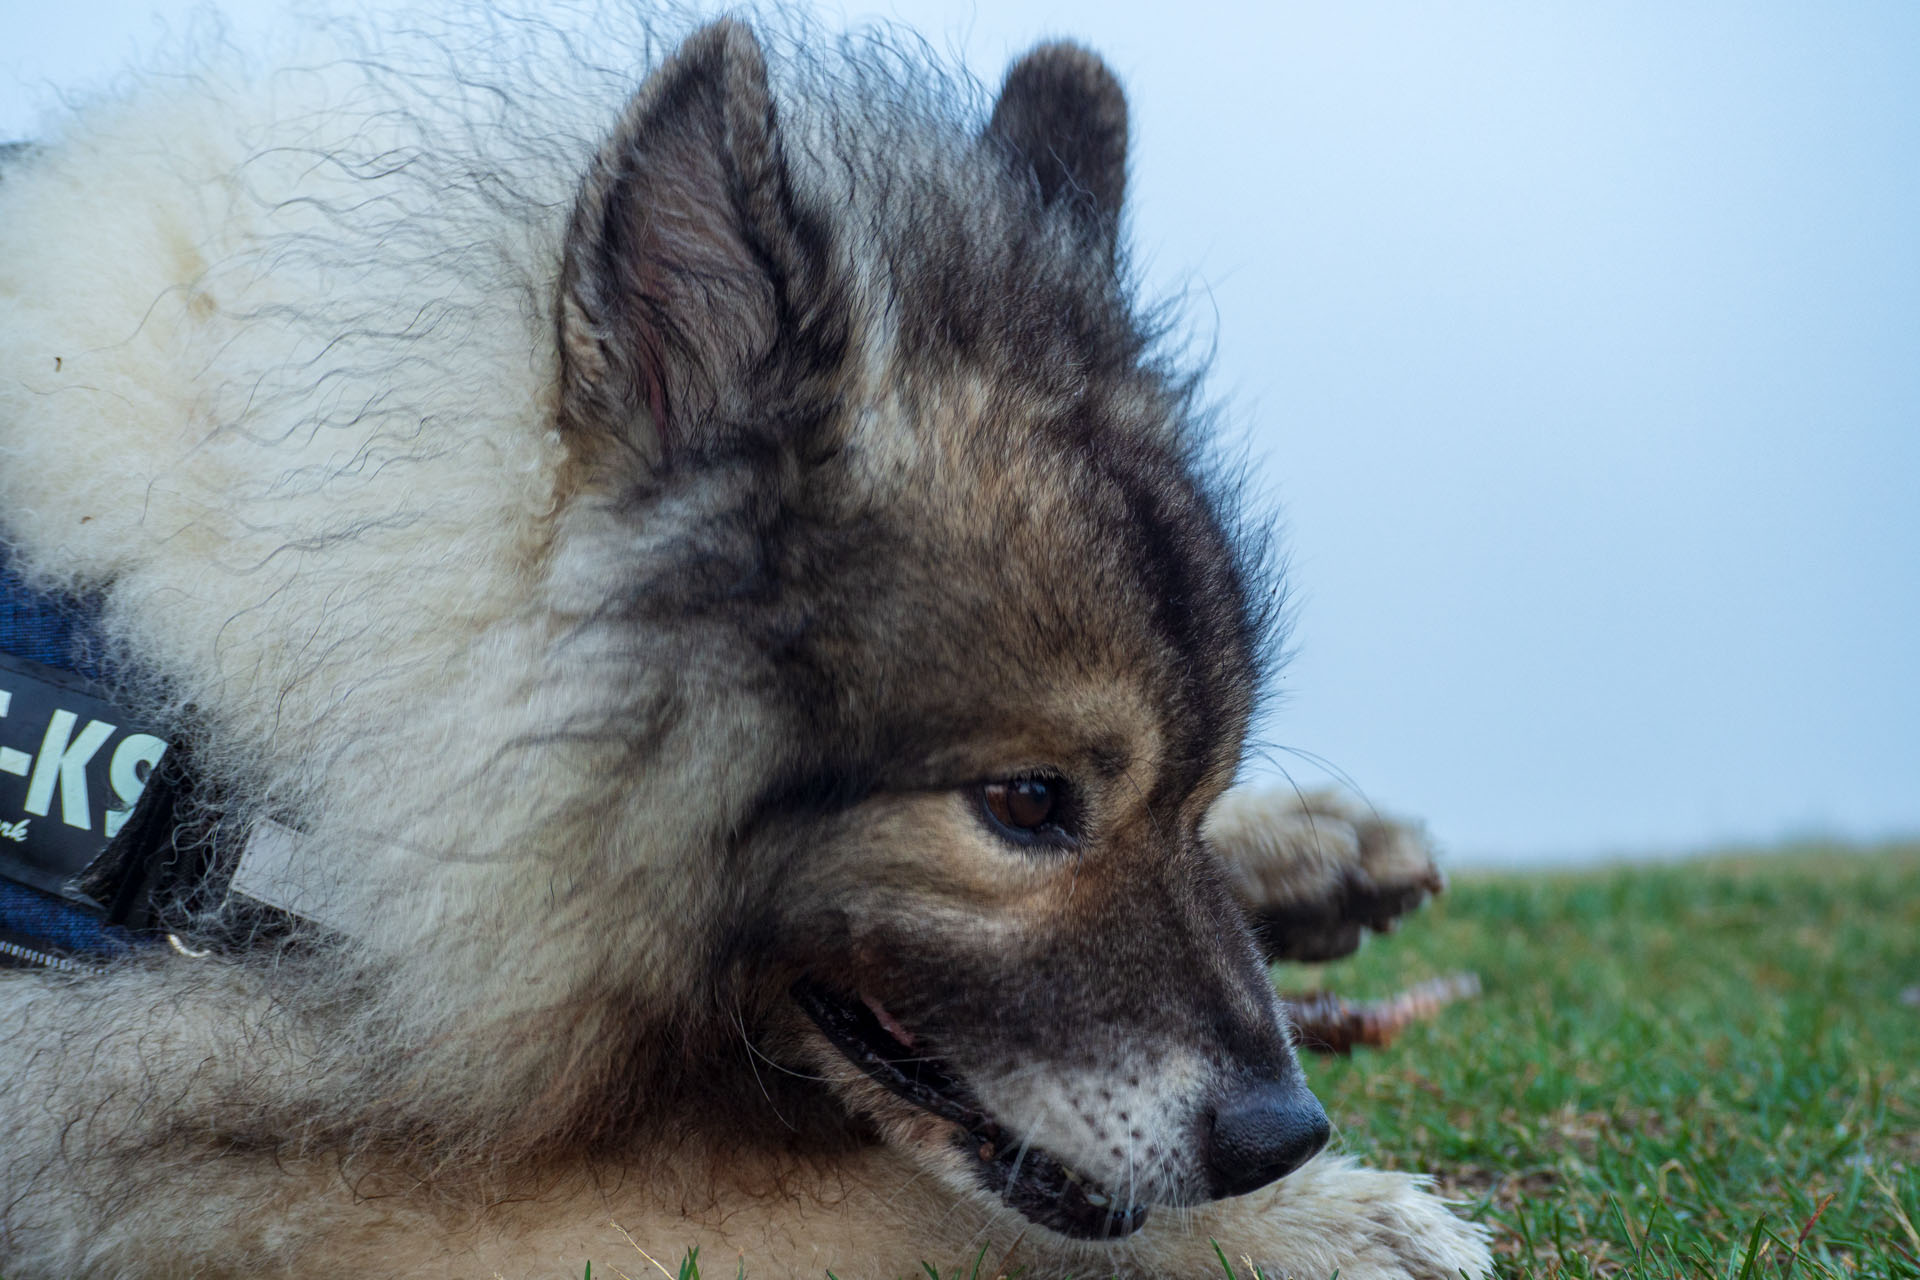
[870, 446]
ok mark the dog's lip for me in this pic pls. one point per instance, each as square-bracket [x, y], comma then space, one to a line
[1026, 1177]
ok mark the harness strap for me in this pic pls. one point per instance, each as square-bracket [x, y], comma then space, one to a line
[85, 790]
[55, 631]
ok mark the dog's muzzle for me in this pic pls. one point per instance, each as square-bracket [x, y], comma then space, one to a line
[1255, 1132]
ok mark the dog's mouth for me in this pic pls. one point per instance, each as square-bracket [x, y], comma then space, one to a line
[1035, 1182]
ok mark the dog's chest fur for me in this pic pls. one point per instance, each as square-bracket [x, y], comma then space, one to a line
[565, 530]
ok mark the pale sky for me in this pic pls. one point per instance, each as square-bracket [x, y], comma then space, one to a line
[1580, 348]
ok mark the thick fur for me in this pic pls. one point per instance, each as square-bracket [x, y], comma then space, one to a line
[621, 509]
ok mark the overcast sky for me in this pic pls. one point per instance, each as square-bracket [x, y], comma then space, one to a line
[1580, 347]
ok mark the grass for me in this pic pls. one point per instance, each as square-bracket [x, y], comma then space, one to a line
[1704, 1069]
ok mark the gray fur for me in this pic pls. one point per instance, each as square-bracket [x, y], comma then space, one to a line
[630, 688]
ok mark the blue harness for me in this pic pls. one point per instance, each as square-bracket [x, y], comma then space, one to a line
[51, 630]
[37, 927]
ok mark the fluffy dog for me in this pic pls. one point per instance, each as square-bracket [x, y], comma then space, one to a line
[705, 555]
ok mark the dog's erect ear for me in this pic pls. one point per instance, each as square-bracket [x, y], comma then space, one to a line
[684, 252]
[1061, 114]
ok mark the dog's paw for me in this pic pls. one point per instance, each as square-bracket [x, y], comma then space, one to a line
[1315, 871]
[1369, 1224]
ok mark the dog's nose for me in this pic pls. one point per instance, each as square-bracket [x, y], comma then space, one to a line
[1262, 1131]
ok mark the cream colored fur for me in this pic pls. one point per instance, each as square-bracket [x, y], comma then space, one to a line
[303, 449]
[323, 521]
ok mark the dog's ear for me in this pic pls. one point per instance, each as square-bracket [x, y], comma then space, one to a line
[1062, 117]
[684, 254]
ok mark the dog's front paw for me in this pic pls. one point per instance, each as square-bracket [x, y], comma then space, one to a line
[1335, 1218]
[1315, 871]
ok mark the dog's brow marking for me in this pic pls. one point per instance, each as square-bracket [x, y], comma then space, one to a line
[1146, 805]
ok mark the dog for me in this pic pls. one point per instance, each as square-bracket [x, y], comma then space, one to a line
[694, 555]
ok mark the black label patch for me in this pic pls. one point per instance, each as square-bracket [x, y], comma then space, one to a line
[72, 768]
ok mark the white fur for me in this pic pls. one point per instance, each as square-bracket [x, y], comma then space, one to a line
[275, 373]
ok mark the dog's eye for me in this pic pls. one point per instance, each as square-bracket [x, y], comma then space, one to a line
[1028, 808]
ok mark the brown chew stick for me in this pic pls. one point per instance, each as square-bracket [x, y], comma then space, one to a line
[1327, 1023]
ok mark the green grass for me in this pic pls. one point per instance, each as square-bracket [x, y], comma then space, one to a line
[1703, 1069]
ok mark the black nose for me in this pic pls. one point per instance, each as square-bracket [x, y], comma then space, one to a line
[1262, 1131]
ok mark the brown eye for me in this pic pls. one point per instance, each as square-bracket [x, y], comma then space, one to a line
[1027, 808]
